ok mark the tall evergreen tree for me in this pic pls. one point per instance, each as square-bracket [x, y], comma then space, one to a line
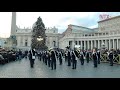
[39, 33]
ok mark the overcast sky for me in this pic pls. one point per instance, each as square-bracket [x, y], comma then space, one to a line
[58, 19]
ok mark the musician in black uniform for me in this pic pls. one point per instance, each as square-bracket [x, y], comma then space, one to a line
[111, 58]
[74, 60]
[94, 55]
[32, 57]
[46, 57]
[66, 56]
[40, 55]
[53, 60]
[98, 54]
[49, 59]
[43, 56]
[69, 58]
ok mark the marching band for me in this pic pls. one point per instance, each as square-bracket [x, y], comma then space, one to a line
[71, 57]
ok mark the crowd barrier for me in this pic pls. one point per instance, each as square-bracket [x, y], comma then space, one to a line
[105, 59]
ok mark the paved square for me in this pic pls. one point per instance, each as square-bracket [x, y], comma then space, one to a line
[21, 69]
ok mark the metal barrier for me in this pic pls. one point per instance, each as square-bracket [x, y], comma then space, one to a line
[105, 59]
[119, 58]
[116, 59]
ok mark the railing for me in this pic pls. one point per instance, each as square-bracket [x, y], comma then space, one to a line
[105, 59]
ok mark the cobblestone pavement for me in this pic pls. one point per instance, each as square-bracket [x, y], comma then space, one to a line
[21, 69]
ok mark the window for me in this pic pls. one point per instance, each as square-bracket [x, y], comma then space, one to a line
[86, 35]
[79, 42]
[54, 31]
[26, 43]
[54, 43]
[75, 42]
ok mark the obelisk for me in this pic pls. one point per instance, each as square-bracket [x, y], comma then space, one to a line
[13, 24]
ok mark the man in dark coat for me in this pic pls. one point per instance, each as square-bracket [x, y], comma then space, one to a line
[53, 60]
[111, 58]
[32, 57]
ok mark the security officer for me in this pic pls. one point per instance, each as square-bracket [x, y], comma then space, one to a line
[111, 58]
[94, 55]
[98, 54]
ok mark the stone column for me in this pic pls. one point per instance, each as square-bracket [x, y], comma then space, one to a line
[88, 44]
[98, 44]
[91, 44]
[81, 44]
[117, 44]
[109, 45]
[113, 44]
[84, 44]
[95, 43]
[106, 43]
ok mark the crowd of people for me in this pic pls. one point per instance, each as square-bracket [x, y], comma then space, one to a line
[7, 56]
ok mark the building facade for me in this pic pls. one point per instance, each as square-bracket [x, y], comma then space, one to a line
[107, 33]
[24, 37]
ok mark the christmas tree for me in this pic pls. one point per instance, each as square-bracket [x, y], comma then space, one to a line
[39, 36]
